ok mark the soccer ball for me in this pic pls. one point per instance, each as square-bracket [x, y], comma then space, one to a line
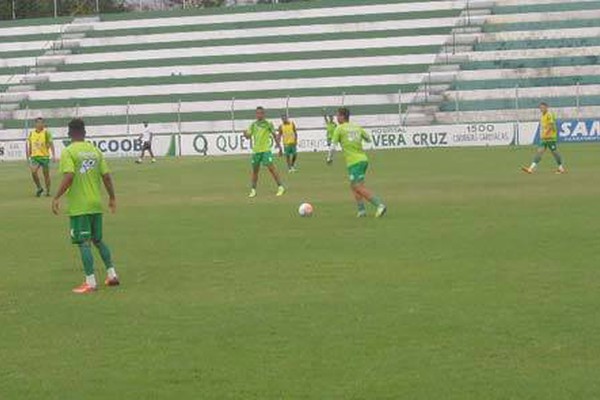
[305, 210]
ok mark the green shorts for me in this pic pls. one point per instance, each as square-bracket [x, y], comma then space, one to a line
[549, 144]
[265, 158]
[86, 227]
[290, 150]
[357, 172]
[39, 161]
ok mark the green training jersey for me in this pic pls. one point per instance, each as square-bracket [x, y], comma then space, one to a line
[351, 137]
[261, 133]
[87, 164]
[330, 126]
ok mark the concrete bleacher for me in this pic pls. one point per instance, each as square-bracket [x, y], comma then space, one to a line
[529, 51]
[188, 65]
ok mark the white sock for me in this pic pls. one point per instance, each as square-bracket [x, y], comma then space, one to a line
[533, 165]
[112, 274]
[91, 280]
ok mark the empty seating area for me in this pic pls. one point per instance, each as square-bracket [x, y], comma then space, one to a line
[182, 70]
[529, 52]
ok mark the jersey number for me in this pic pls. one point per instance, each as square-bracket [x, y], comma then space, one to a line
[87, 165]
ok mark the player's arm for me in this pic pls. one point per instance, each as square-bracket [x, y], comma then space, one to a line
[65, 184]
[110, 189]
[27, 149]
[295, 132]
[365, 136]
[51, 147]
[335, 139]
[248, 133]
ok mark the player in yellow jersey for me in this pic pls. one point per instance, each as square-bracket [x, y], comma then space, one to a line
[548, 141]
[288, 134]
[39, 148]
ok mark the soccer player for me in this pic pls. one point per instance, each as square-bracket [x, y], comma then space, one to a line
[330, 127]
[548, 141]
[146, 138]
[262, 132]
[84, 168]
[350, 137]
[289, 135]
[39, 146]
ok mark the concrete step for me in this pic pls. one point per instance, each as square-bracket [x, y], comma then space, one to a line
[475, 12]
[42, 70]
[438, 89]
[5, 115]
[85, 20]
[20, 88]
[78, 28]
[9, 106]
[34, 79]
[418, 119]
[50, 61]
[462, 39]
[425, 110]
[467, 29]
[15, 97]
[71, 36]
[57, 52]
[446, 77]
[444, 68]
[66, 44]
[427, 98]
[475, 4]
[449, 58]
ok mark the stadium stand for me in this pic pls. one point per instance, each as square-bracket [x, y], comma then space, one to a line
[529, 51]
[188, 65]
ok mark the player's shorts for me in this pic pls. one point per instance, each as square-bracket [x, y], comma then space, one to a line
[39, 161]
[290, 149]
[147, 146]
[265, 158]
[549, 144]
[358, 172]
[86, 227]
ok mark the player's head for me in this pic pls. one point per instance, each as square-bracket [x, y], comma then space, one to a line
[543, 107]
[260, 113]
[77, 129]
[343, 115]
[39, 124]
[145, 124]
[284, 118]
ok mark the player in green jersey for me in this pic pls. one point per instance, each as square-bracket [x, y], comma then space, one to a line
[84, 168]
[548, 141]
[330, 127]
[263, 134]
[350, 137]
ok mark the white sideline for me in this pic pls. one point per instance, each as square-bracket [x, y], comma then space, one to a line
[240, 68]
[267, 32]
[215, 106]
[233, 86]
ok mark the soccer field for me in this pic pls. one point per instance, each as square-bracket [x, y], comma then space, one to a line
[480, 283]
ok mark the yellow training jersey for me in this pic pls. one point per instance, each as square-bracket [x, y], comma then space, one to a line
[39, 143]
[548, 131]
[288, 132]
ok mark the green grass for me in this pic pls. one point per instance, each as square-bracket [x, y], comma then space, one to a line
[481, 283]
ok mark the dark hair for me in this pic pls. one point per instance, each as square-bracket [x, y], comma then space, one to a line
[345, 112]
[76, 127]
[39, 119]
[260, 108]
[543, 103]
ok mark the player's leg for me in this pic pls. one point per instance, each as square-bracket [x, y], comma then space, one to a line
[268, 162]
[358, 174]
[558, 158]
[256, 159]
[81, 236]
[360, 202]
[151, 153]
[34, 168]
[294, 157]
[536, 159]
[97, 234]
[47, 181]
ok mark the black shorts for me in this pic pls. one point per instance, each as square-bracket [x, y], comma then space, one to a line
[147, 146]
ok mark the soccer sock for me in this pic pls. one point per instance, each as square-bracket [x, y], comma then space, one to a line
[361, 206]
[536, 159]
[557, 158]
[376, 201]
[105, 254]
[87, 258]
